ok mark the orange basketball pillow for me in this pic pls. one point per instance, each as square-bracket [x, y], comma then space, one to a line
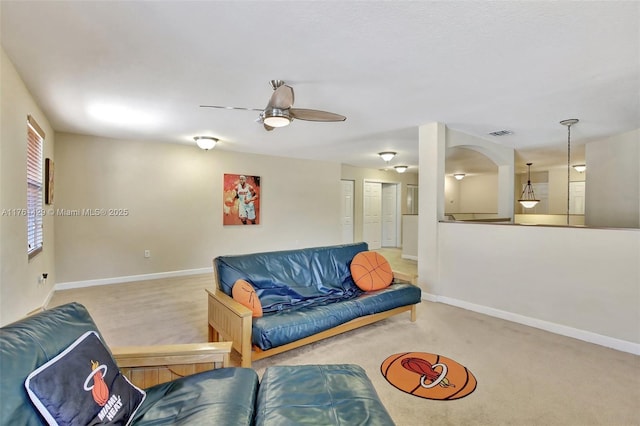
[371, 271]
[244, 294]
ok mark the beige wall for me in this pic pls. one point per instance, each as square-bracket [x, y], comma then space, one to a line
[479, 194]
[20, 291]
[473, 194]
[359, 175]
[613, 181]
[173, 194]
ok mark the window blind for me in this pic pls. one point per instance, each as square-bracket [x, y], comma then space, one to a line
[35, 138]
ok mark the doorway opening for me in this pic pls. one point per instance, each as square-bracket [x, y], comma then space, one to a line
[381, 214]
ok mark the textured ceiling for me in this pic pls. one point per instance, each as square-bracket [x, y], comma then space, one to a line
[388, 66]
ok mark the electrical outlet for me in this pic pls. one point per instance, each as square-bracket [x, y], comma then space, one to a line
[147, 254]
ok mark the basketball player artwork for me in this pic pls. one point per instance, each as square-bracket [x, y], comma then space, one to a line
[241, 200]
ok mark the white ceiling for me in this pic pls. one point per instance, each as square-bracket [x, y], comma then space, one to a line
[387, 66]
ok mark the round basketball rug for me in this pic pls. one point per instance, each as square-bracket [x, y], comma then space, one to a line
[428, 376]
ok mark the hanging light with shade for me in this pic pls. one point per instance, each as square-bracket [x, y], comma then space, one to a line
[528, 198]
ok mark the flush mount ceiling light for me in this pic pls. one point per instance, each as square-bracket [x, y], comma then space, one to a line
[580, 168]
[276, 117]
[459, 176]
[528, 198]
[205, 142]
[401, 169]
[387, 155]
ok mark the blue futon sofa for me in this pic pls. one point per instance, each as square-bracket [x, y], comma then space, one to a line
[306, 295]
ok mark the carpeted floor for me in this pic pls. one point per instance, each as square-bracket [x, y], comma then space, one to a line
[525, 376]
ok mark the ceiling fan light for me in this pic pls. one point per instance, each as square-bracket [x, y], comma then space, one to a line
[580, 168]
[276, 117]
[459, 176]
[387, 155]
[206, 142]
[401, 169]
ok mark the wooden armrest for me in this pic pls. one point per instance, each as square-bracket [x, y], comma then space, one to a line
[230, 321]
[187, 353]
[146, 366]
[230, 303]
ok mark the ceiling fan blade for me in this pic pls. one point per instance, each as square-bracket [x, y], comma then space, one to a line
[315, 115]
[282, 98]
[268, 128]
[229, 107]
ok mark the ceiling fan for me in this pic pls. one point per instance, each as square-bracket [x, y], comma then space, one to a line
[279, 112]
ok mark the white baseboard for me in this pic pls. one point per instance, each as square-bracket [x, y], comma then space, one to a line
[130, 278]
[410, 257]
[48, 298]
[563, 330]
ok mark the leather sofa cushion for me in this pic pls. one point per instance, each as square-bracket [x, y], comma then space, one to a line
[338, 394]
[284, 327]
[224, 396]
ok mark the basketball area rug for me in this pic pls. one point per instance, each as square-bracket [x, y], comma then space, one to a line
[428, 376]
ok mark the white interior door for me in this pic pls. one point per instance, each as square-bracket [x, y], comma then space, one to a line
[346, 205]
[372, 209]
[576, 197]
[389, 215]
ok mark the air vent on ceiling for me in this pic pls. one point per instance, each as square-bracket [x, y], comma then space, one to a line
[501, 133]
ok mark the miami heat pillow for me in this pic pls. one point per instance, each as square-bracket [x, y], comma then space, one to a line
[83, 385]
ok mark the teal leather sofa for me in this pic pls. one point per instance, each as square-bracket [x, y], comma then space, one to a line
[306, 295]
[219, 396]
[339, 394]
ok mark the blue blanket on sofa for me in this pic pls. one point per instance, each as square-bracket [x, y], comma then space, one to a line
[294, 278]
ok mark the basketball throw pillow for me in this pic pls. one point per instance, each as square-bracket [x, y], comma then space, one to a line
[371, 271]
[244, 293]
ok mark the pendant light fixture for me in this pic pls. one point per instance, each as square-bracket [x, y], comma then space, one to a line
[459, 176]
[528, 198]
[401, 169]
[570, 122]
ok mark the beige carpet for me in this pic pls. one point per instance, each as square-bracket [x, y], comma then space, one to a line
[525, 376]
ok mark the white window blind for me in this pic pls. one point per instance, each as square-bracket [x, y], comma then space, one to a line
[35, 138]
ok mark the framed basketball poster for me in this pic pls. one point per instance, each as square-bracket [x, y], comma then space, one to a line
[241, 200]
